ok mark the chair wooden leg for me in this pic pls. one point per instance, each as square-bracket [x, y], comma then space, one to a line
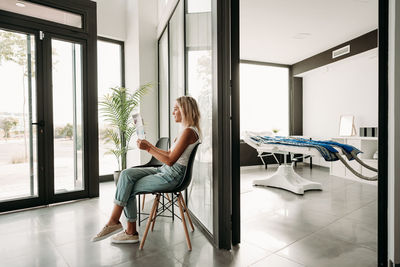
[144, 197]
[166, 194]
[138, 208]
[155, 215]
[184, 225]
[186, 211]
[153, 209]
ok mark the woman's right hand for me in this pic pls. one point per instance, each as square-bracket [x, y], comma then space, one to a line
[143, 144]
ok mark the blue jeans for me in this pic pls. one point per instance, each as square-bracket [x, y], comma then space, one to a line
[145, 180]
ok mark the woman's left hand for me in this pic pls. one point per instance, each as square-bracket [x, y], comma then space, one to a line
[143, 144]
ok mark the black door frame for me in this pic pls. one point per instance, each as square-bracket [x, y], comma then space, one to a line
[233, 44]
[221, 123]
[88, 35]
[235, 59]
[383, 37]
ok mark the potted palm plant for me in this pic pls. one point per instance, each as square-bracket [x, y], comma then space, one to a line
[116, 108]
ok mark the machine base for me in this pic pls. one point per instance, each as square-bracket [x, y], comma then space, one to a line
[286, 178]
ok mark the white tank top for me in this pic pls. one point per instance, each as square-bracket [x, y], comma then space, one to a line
[184, 158]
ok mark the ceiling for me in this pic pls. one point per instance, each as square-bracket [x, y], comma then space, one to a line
[288, 31]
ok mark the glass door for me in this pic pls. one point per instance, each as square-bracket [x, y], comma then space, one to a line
[41, 119]
[48, 104]
[65, 115]
[21, 123]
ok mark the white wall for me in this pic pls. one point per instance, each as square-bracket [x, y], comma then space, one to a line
[111, 19]
[141, 65]
[394, 133]
[349, 86]
[135, 22]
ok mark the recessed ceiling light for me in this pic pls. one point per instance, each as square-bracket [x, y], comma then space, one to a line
[301, 35]
[20, 4]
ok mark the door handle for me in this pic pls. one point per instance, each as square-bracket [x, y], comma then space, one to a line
[39, 123]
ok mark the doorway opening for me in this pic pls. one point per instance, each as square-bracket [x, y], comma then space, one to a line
[296, 227]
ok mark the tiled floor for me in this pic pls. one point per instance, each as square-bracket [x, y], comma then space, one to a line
[333, 227]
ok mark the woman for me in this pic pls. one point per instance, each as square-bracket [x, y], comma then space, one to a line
[167, 177]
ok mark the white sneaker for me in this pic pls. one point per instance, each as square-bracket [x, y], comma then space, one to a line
[124, 238]
[107, 231]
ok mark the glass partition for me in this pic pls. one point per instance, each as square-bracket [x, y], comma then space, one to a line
[193, 28]
[177, 63]
[199, 86]
[163, 94]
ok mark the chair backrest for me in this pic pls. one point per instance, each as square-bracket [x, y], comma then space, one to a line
[187, 177]
[162, 143]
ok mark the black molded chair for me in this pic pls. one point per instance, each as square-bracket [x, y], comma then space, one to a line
[162, 143]
[186, 180]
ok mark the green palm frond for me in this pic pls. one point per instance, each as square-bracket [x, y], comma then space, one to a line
[116, 107]
[111, 136]
[129, 133]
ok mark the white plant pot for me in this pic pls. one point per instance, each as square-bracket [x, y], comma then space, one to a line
[116, 176]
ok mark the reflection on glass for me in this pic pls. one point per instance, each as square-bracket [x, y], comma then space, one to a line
[258, 83]
[18, 137]
[67, 116]
[109, 75]
[163, 86]
[199, 82]
[177, 62]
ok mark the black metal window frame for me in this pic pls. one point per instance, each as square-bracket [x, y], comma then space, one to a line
[110, 177]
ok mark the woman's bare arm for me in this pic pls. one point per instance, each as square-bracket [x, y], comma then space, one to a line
[170, 157]
[161, 151]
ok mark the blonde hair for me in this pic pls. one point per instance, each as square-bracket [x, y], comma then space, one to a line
[190, 111]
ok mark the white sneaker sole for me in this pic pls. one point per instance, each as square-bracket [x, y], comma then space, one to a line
[124, 241]
[95, 239]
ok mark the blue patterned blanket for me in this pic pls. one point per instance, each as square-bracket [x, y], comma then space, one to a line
[326, 148]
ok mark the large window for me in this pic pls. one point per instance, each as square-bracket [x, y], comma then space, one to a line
[177, 62]
[163, 92]
[171, 72]
[264, 98]
[199, 86]
[110, 74]
[187, 39]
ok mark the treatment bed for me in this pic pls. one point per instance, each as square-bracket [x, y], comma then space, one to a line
[285, 177]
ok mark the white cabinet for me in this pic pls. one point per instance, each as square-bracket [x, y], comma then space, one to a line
[368, 145]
